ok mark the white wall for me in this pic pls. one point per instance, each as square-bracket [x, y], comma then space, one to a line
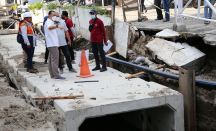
[81, 21]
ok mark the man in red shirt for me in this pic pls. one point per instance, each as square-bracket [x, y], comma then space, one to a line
[71, 32]
[98, 35]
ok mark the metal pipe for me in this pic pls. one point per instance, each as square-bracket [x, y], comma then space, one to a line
[175, 11]
[198, 11]
[12, 24]
[185, 6]
[195, 17]
[152, 71]
[40, 31]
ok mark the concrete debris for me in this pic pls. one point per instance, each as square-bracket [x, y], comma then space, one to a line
[139, 47]
[57, 89]
[176, 54]
[168, 33]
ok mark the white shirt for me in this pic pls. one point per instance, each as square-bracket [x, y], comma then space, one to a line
[51, 36]
[25, 35]
[61, 33]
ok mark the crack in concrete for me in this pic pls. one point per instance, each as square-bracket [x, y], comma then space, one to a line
[175, 52]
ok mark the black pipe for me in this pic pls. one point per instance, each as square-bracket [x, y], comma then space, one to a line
[149, 70]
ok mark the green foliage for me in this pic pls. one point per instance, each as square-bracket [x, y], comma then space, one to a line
[36, 5]
[51, 6]
[13, 7]
[100, 11]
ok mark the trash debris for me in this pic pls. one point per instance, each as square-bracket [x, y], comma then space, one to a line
[78, 102]
[93, 98]
[57, 89]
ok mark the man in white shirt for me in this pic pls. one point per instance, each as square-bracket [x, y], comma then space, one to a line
[52, 44]
[63, 45]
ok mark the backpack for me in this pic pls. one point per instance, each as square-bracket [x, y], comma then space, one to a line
[19, 36]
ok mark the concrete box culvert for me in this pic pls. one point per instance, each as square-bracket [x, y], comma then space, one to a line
[151, 119]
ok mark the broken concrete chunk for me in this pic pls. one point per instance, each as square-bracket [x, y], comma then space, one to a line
[168, 33]
[176, 54]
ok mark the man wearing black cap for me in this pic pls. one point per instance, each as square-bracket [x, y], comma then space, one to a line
[98, 35]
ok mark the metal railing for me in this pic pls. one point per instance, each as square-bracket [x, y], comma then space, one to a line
[179, 14]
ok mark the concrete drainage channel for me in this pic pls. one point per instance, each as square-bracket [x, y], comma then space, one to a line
[131, 105]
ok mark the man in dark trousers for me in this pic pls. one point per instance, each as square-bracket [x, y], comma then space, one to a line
[47, 51]
[98, 35]
[159, 12]
[71, 32]
[143, 6]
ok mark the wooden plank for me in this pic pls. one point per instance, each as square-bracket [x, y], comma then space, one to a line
[119, 3]
[110, 36]
[140, 73]
[57, 97]
[187, 88]
[131, 8]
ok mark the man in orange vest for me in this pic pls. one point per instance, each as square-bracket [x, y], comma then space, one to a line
[29, 40]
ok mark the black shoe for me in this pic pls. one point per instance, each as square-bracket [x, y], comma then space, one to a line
[103, 69]
[96, 68]
[45, 62]
[165, 20]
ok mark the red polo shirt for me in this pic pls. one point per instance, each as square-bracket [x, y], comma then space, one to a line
[98, 33]
[69, 24]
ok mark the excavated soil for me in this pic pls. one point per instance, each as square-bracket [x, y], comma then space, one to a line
[17, 114]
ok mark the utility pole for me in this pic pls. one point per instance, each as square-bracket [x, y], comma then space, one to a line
[113, 13]
[110, 34]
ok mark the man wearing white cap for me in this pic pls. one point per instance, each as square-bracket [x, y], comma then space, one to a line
[28, 40]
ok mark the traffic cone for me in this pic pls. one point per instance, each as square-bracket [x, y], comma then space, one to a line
[84, 70]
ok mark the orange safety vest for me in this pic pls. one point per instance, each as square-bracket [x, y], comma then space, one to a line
[29, 29]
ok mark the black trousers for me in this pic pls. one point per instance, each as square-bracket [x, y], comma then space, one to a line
[142, 5]
[65, 51]
[98, 47]
[159, 12]
[46, 53]
[71, 48]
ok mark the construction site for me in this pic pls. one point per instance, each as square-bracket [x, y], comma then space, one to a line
[161, 76]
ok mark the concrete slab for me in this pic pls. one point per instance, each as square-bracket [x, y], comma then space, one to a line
[176, 54]
[114, 94]
[195, 28]
[167, 33]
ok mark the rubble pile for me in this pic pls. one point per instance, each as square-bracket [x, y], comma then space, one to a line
[153, 52]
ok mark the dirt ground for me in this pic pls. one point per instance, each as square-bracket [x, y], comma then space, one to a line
[17, 114]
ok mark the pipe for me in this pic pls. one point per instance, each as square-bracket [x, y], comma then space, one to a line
[12, 24]
[40, 31]
[143, 60]
[152, 71]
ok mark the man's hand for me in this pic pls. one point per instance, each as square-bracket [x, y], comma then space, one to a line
[28, 46]
[60, 27]
[146, 11]
[69, 43]
[106, 43]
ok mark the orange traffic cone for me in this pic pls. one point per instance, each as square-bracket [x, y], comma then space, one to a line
[84, 70]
